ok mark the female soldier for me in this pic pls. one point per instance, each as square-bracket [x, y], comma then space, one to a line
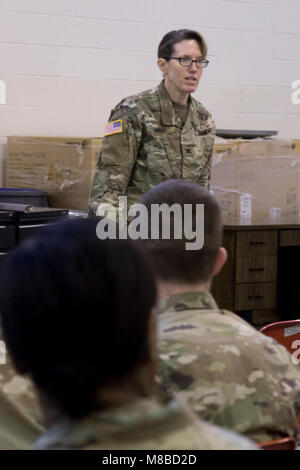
[160, 133]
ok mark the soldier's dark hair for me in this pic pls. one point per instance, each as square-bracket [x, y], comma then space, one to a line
[75, 312]
[166, 45]
[170, 259]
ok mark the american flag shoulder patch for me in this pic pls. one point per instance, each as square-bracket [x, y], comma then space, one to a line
[113, 127]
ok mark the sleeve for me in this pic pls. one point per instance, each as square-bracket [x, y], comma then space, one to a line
[116, 160]
[208, 150]
[291, 380]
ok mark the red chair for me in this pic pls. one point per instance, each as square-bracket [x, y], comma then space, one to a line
[287, 443]
[286, 333]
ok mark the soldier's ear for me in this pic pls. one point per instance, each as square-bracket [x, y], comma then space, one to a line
[220, 260]
[162, 64]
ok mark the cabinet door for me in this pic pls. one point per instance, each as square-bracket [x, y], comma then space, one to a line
[255, 296]
[256, 268]
[256, 242]
[289, 237]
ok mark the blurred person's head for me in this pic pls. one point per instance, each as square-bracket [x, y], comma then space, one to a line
[77, 317]
[172, 261]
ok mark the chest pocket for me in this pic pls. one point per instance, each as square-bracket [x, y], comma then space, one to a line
[164, 154]
[207, 145]
[197, 150]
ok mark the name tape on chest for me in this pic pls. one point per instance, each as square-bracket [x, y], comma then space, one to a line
[113, 127]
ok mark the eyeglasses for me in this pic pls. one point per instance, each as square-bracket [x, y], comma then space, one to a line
[187, 62]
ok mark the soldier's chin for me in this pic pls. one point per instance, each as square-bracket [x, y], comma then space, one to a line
[191, 87]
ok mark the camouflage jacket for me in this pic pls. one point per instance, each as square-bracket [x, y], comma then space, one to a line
[151, 145]
[141, 425]
[20, 423]
[229, 373]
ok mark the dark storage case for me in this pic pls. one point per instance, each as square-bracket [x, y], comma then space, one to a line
[8, 229]
[20, 221]
[32, 197]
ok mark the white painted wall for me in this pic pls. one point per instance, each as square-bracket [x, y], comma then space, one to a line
[66, 63]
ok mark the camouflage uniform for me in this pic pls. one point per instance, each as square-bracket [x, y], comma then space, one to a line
[17, 430]
[141, 425]
[229, 373]
[154, 145]
[20, 423]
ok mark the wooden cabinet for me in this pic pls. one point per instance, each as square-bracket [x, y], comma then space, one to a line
[255, 296]
[256, 268]
[290, 238]
[249, 280]
[256, 242]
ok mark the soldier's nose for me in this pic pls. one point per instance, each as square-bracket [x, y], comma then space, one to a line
[193, 66]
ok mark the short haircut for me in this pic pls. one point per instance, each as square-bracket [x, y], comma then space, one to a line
[171, 261]
[166, 45]
[75, 312]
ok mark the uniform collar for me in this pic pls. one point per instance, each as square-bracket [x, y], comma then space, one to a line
[168, 115]
[187, 301]
[170, 118]
[135, 417]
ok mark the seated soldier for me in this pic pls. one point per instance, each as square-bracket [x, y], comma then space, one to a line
[77, 315]
[20, 423]
[230, 374]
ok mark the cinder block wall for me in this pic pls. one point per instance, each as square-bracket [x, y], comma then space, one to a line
[66, 63]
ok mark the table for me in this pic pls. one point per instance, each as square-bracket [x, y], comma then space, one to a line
[261, 277]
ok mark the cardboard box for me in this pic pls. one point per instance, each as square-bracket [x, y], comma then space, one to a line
[267, 170]
[224, 177]
[296, 144]
[62, 166]
[3, 151]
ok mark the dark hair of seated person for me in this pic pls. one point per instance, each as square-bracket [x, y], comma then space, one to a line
[75, 312]
[170, 259]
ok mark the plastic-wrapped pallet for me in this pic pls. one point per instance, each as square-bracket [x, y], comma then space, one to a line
[258, 178]
[62, 166]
